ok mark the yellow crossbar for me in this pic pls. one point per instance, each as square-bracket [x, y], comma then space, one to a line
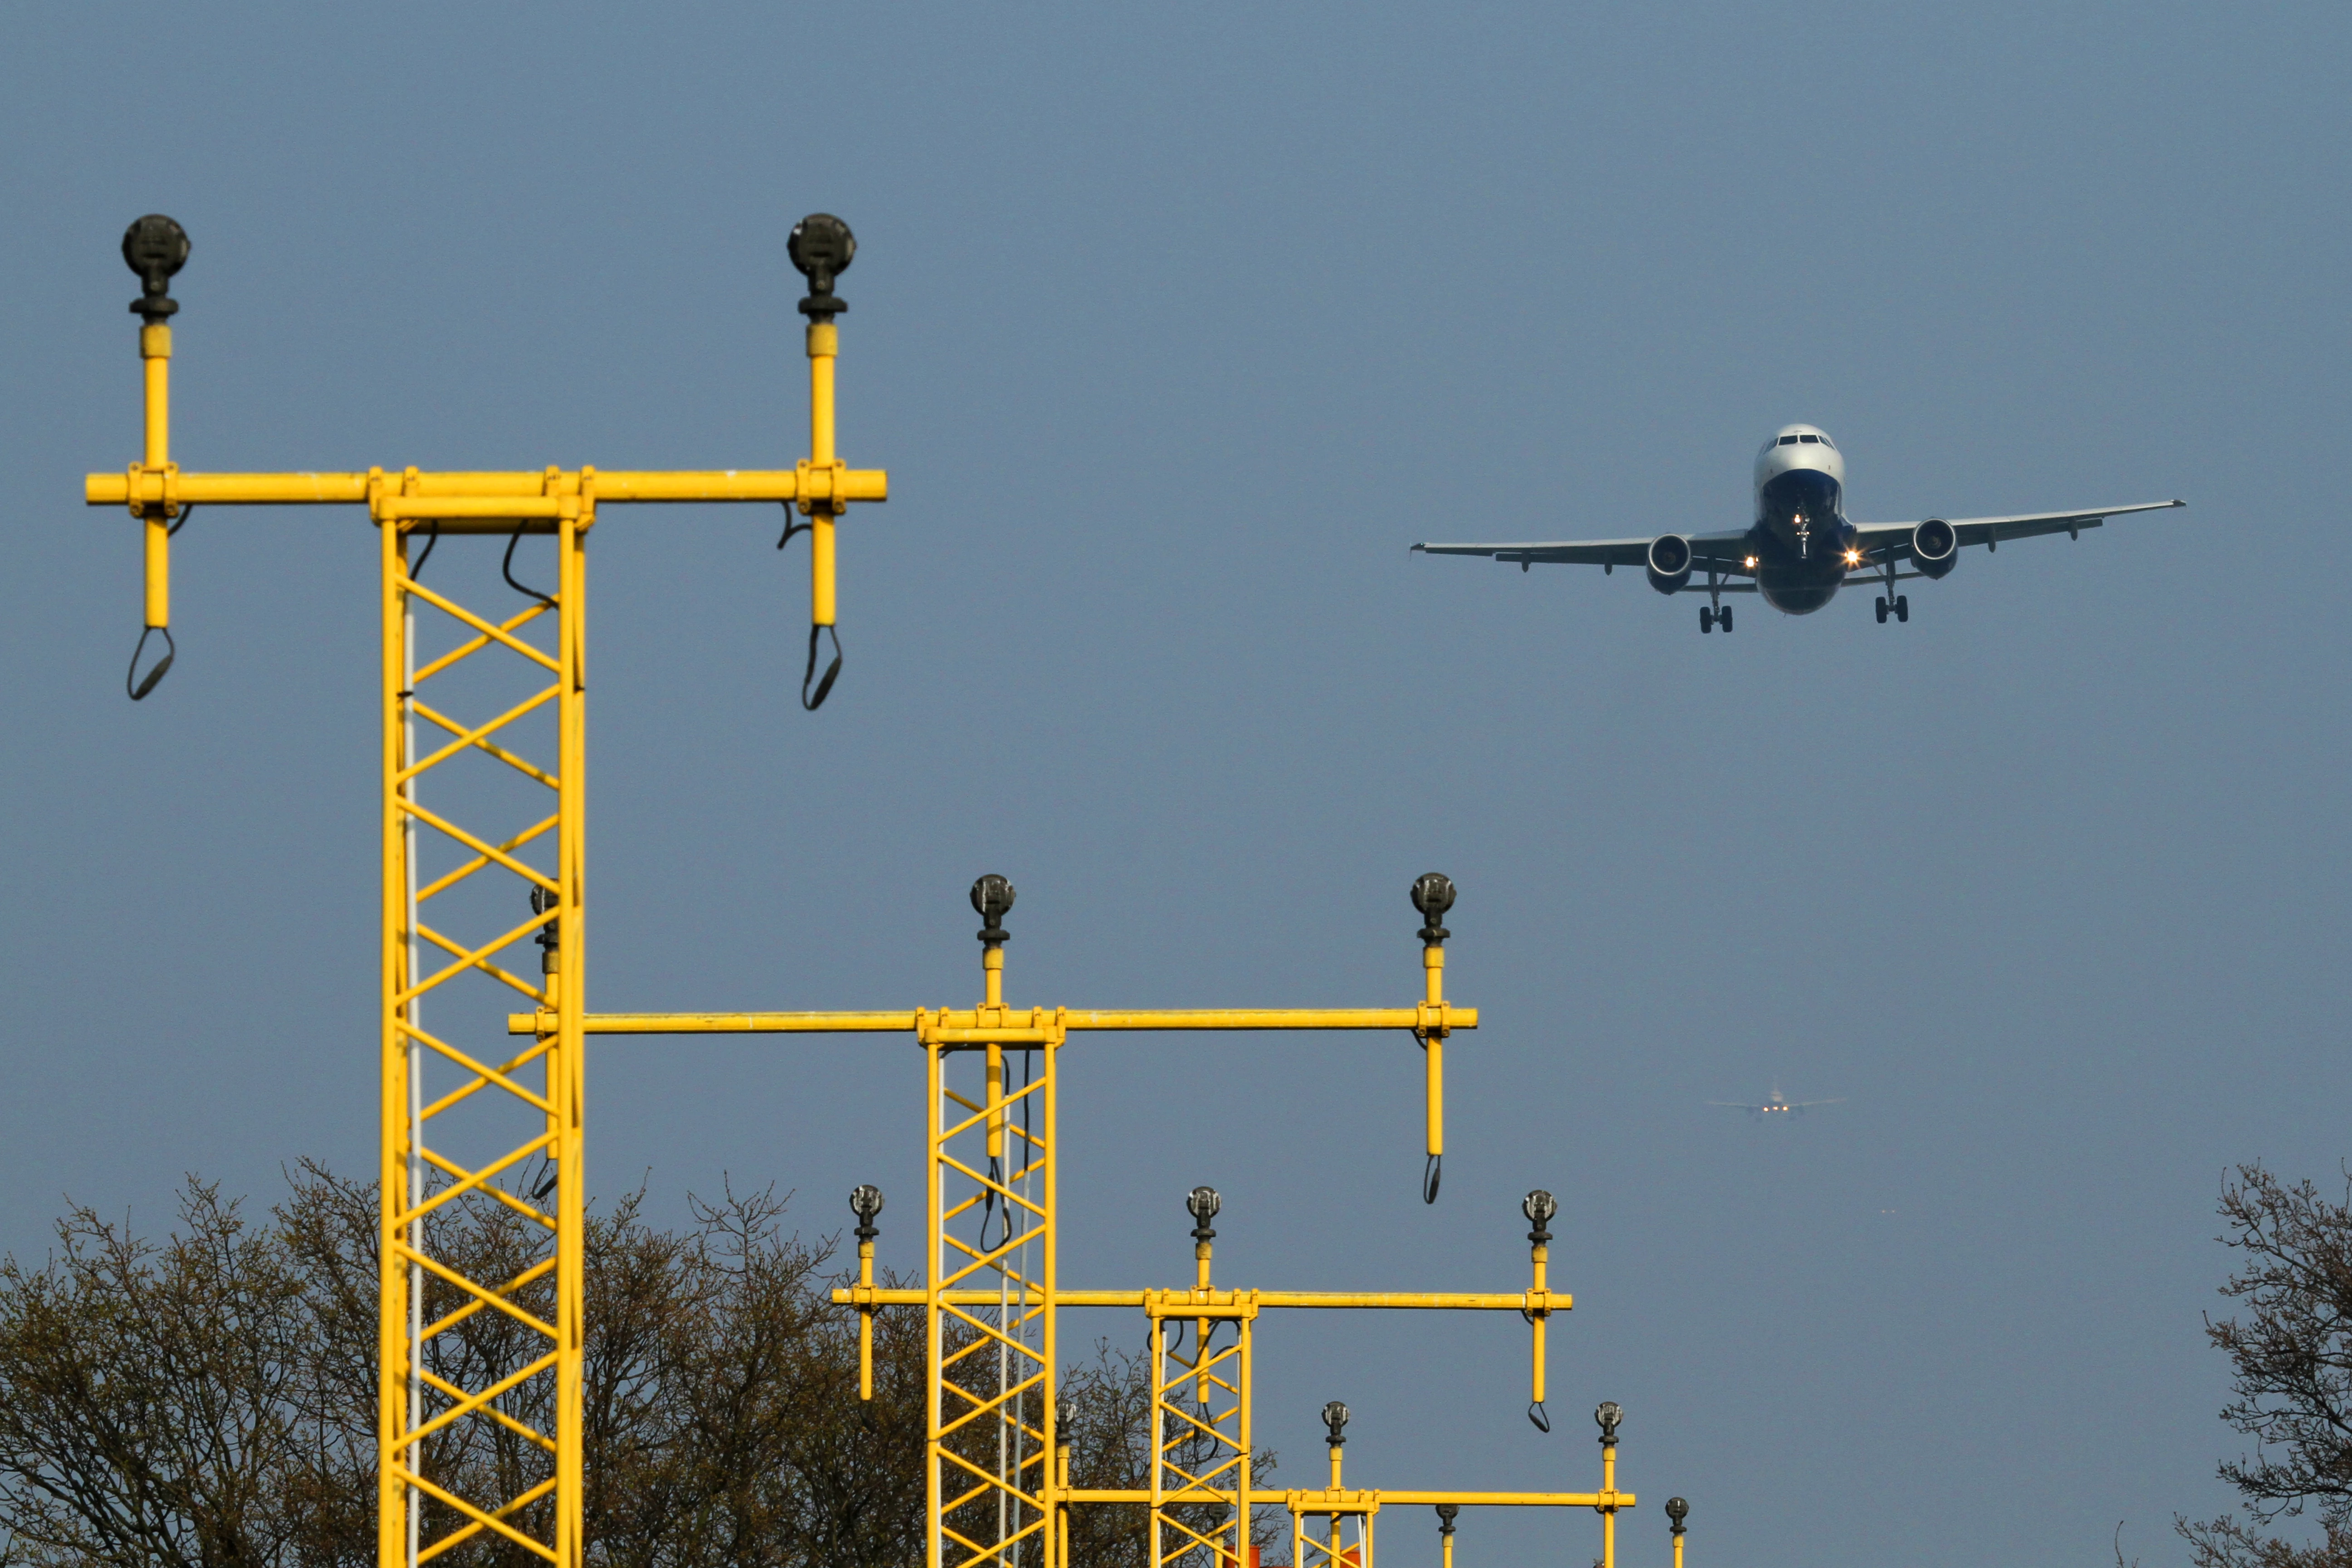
[965, 1027]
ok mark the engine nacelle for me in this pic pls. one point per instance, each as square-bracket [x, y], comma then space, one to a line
[1669, 563]
[1934, 547]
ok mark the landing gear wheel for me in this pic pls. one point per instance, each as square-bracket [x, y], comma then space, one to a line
[1882, 611]
[1705, 619]
[1902, 608]
[1723, 617]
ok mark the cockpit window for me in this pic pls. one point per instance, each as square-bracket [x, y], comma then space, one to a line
[1830, 444]
[1809, 440]
[1788, 440]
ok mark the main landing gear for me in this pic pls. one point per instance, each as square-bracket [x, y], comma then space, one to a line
[1901, 606]
[1710, 619]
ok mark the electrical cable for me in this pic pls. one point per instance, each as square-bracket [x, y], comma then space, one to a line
[137, 689]
[791, 528]
[1431, 1173]
[506, 569]
[431, 539]
[833, 671]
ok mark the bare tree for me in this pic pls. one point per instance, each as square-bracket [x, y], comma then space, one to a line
[2289, 1350]
[209, 1401]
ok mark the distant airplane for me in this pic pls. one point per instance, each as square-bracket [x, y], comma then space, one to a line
[1775, 1104]
[1801, 549]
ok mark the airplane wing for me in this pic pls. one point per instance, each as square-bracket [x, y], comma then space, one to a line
[1801, 1104]
[1989, 532]
[1734, 1105]
[1723, 552]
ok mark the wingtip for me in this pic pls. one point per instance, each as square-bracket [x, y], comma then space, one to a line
[1410, 549]
[2177, 501]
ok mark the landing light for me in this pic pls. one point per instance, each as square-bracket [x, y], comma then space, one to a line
[1854, 557]
[1752, 563]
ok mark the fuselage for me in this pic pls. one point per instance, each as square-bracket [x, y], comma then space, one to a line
[1800, 536]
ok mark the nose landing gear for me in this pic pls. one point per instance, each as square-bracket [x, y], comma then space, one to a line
[1901, 605]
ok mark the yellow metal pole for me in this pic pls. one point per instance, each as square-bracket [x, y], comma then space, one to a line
[995, 1075]
[1049, 1263]
[1540, 1206]
[1433, 962]
[1608, 1512]
[1432, 895]
[935, 1263]
[155, 356]
[1316, 1501]
[567, 1073]
[824, 346]
[392, 1176]
[992, 968]
[1245, 1399]
[969, 1024]
[1202, 1252]
[1159, 1437]
[865, 1321]
[1234, 1303]
[1541, 1255]
[1061, 1509]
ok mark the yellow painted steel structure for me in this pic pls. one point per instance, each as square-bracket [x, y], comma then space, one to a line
[539, 1086]
[998, 1468]
[998, 1472]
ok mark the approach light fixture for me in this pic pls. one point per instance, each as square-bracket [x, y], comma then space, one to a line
[1335, 1416]
[1677, 1511]
[865, 1202]
[991, 898]
[1432, 895]
[821, 248]
[1607, 1414]
[155, 248]
[1203, 1203]
[1538, 1206]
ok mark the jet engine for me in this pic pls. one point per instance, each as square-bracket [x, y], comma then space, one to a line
[1934, 547]
[1669, 563]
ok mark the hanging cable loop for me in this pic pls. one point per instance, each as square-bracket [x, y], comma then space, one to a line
[137, 687]
[1430, 1175]
[432, 537]
[1537, 1414]
[791, 528]
[506, 569]
[181, 521]
[831, 671]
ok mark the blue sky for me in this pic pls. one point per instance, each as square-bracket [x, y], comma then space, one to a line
[1174, 327]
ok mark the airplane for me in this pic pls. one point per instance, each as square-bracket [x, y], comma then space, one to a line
[1775, 1104]
[1800, 550]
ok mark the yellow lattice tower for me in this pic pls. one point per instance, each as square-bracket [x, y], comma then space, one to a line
[525, 1106]
[999, 1476]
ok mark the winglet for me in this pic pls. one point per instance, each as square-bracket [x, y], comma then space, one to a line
[1412, 548]
[2179, 502]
